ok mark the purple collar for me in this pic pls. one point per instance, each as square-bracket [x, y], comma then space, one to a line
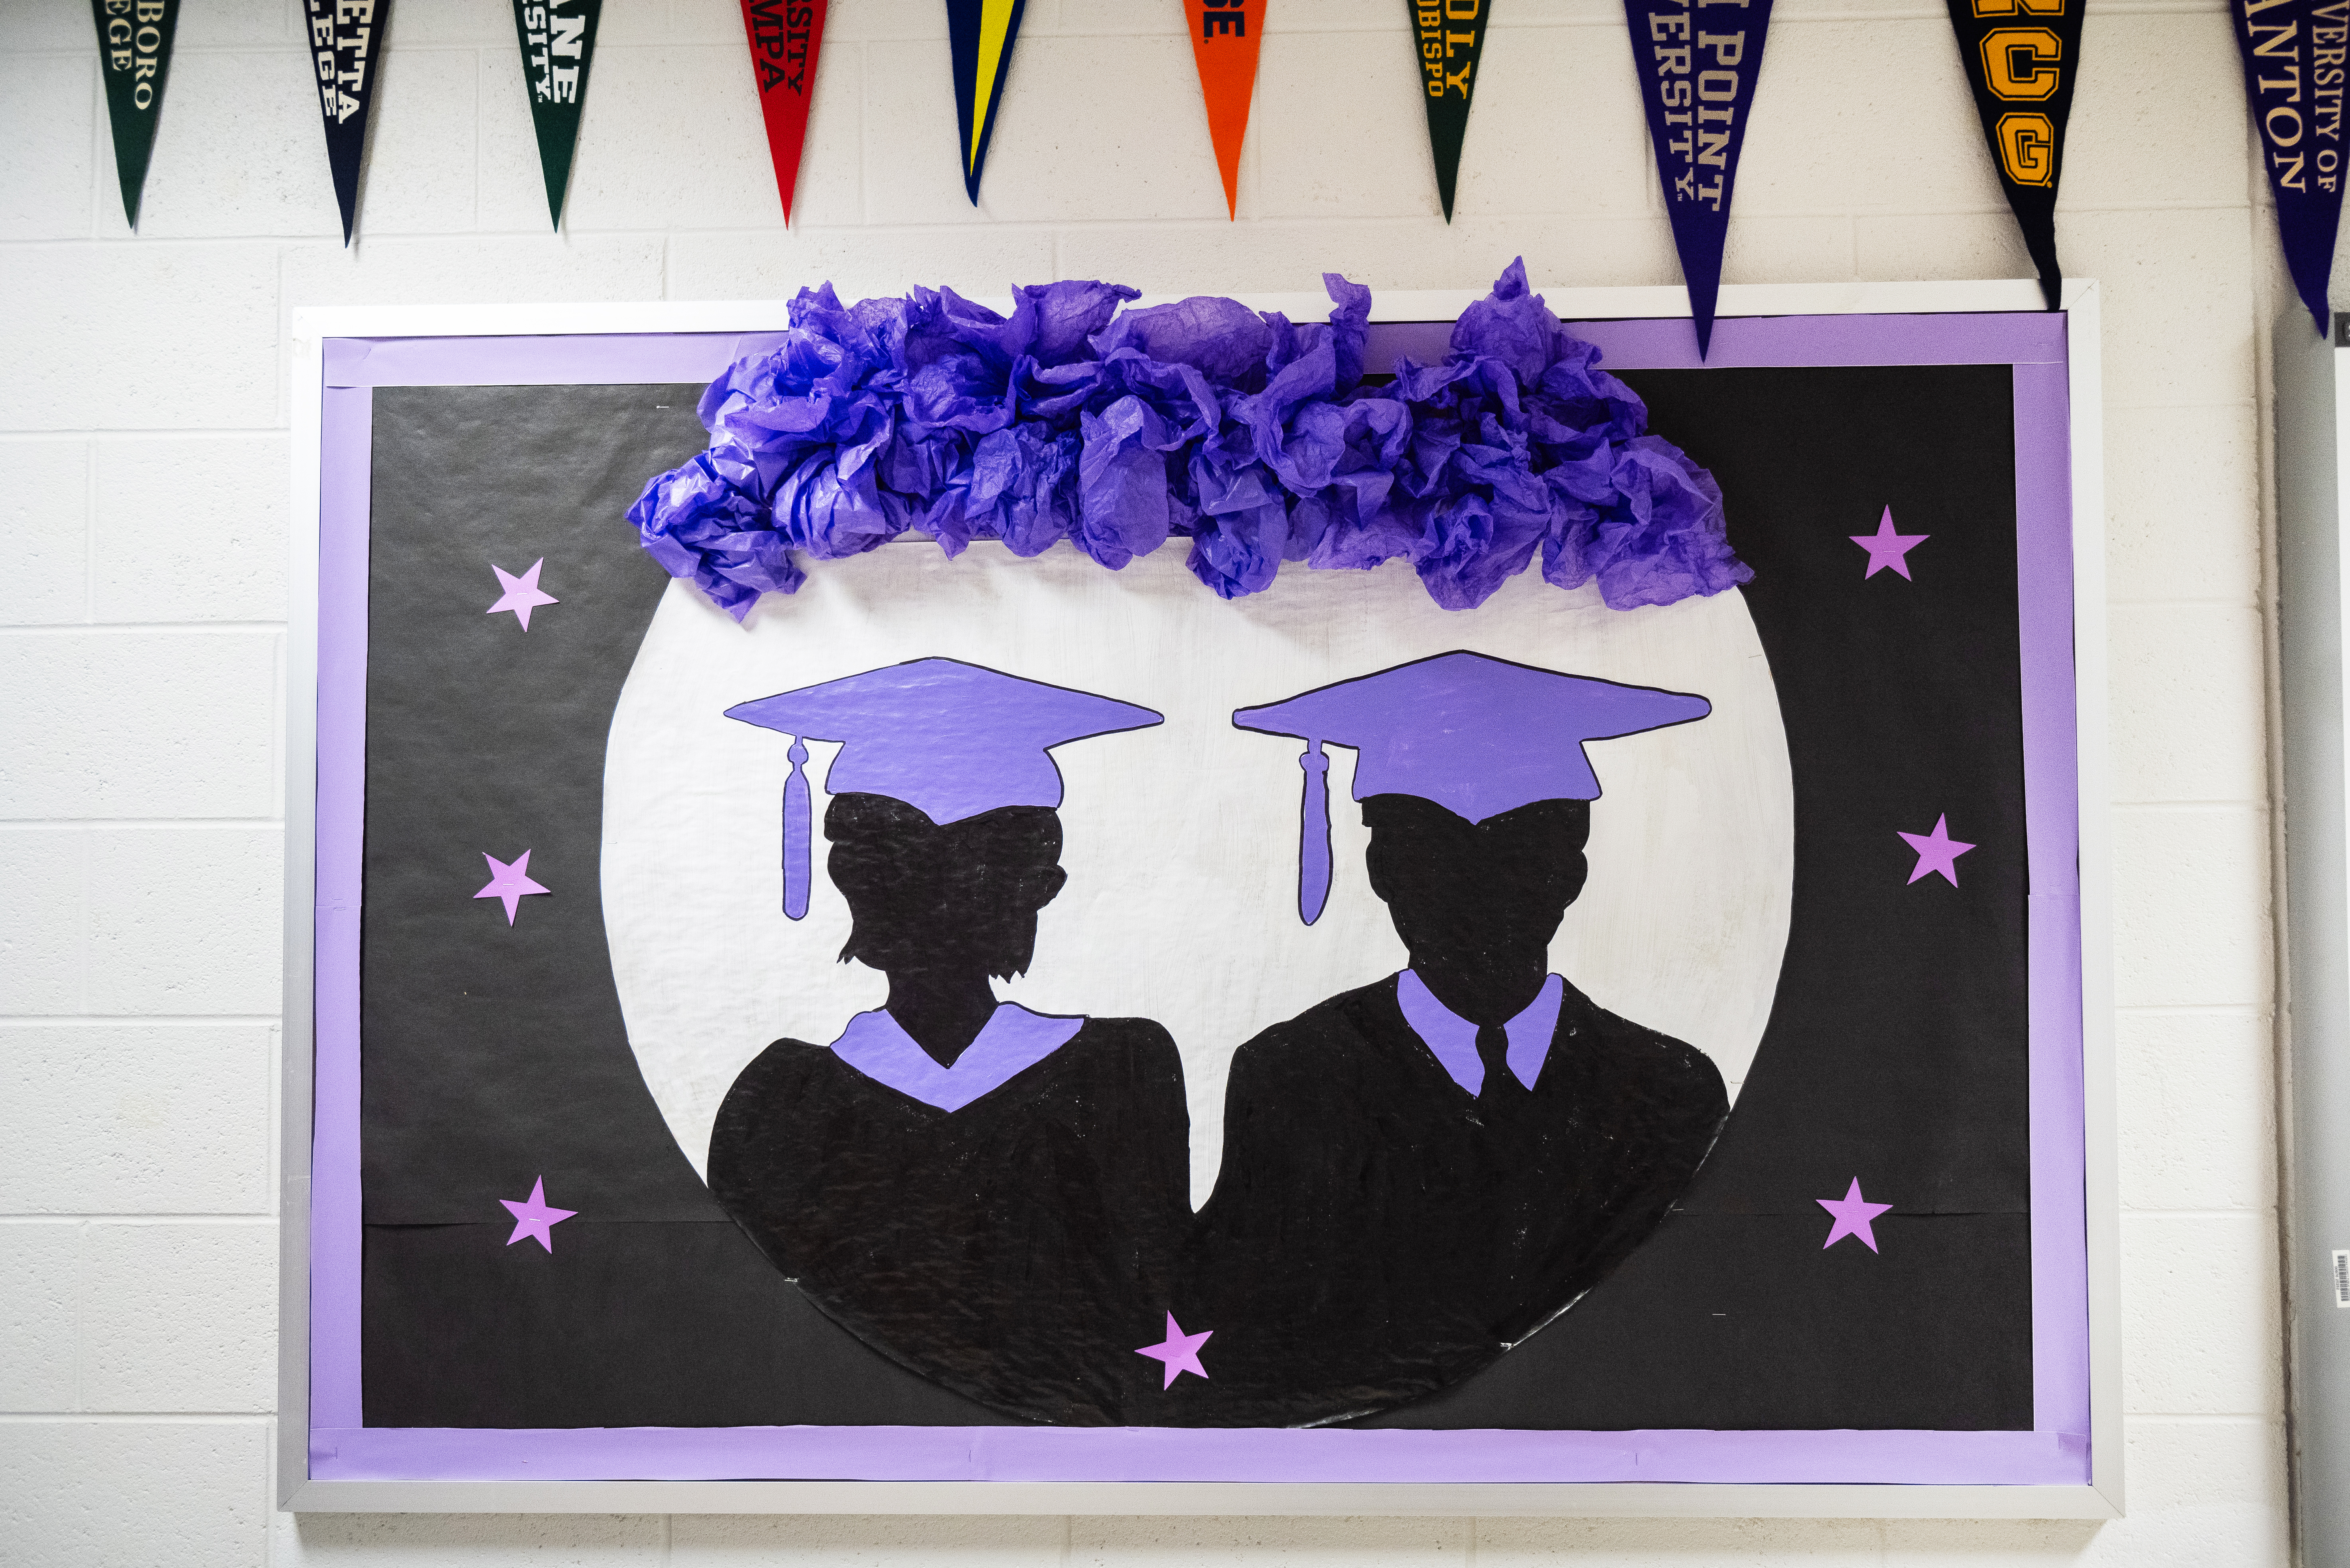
[1013, 1040]
[1453, 1039]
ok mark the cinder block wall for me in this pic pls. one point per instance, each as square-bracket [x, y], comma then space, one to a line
[143, 402]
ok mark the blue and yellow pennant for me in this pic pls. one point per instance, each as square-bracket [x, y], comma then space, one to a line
[981, 32]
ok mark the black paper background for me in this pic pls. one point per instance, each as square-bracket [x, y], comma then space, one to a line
[1896, 1052]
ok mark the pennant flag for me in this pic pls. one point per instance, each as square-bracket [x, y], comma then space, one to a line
[784, 36]
[1224, 38]
[1450, 34]
[2289, 46]
[346, 40]
[1697, 81]
[557, 37]
[2021, 57]
[134, 55]
[981, 32]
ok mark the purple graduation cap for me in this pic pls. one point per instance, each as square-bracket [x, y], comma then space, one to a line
[1478, 736]
[950, 739]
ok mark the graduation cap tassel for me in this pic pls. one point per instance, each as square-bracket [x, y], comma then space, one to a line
[1314, 835]
[796, 835]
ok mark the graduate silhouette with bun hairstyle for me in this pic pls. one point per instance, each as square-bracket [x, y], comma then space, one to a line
[1421, 1172]
[988, 1195]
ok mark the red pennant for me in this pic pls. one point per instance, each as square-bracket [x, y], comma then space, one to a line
[1224, 38]
[784, 36]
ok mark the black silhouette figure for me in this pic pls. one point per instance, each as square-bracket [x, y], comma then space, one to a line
[1008, 1237]
[1378, 1231]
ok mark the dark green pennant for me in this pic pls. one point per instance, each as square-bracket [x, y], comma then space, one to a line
[134, 51]
[1448, 36]
[558, 36]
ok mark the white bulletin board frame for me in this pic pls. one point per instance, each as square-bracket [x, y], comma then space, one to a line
[2101, 1496]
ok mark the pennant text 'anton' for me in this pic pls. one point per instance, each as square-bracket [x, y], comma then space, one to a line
[2293, 62]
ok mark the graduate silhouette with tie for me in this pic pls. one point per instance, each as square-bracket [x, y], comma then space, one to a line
[1420, 1173]
[989, 1195]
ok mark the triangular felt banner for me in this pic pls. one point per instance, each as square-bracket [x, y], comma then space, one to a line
[2286, 44]
[1696, 75]
[557, 39]
[980, 34]
[784, 36]
[1225, 34]
[1449, 35]
[2021, 57]
[134, 54]
[346, 38]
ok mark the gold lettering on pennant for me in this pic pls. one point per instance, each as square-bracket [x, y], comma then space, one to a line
[1439, 44]
[2021, 7]
[2027, 147]
[2020, 64]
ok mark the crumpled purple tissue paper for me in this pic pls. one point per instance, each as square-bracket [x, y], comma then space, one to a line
[1074, 421]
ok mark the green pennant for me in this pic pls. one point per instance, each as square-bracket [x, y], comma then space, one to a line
[558, 36]
[1448, 36]
[134, 53]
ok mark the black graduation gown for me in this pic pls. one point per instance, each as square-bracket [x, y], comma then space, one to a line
[1015, 1250]
[1376, 1234]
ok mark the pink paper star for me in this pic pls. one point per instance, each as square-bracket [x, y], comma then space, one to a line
[510, 884]
[1938, 852]
[533, 1217]
[1180, 1351]
[523, 596]
[1853, 1214]
[1886, 548]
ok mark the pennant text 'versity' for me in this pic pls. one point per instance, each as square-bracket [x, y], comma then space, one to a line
[1699, 65]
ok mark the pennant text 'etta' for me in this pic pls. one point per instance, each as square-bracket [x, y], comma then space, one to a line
[346, 41]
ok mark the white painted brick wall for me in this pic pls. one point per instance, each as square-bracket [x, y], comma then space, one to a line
[143, 398]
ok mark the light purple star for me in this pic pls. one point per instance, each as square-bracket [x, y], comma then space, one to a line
[1937, 851]
[1854, 1215]
[533, 1217]
[523, 596]
[1180, 1351]
[510, 884]
[1886, 548]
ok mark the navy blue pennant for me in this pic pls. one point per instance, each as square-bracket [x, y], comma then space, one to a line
[1697, 66]
[2294, 57]
[346, 40]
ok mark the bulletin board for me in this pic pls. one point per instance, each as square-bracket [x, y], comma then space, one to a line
[546, 950]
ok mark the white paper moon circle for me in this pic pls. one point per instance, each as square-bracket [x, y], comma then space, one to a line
[1181, 840]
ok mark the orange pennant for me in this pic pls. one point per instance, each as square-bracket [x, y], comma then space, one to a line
[1224, 38]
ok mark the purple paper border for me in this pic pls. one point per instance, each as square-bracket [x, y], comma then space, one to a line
[345, 442]
[1181, 1454]
[2056, 1452]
